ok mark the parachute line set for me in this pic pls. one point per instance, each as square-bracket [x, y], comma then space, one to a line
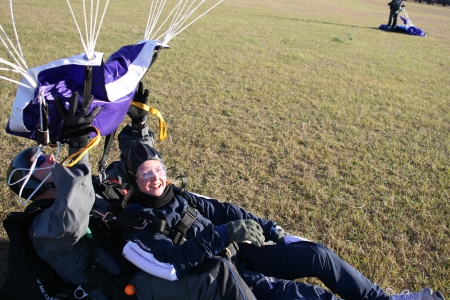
[113, 82]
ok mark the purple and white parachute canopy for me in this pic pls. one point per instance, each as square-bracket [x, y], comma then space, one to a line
[114, 82]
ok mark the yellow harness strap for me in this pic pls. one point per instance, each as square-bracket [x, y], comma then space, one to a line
[162, 124]
[68, 162]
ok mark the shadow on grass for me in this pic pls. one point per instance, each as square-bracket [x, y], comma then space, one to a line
[319, 22]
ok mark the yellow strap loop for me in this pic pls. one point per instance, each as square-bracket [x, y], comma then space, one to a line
[141, 105]
[162, 124]
[68, 162]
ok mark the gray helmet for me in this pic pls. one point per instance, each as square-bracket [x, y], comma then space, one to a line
[138, 154]
[21, 163]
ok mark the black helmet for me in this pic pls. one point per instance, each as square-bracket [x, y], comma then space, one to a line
[19, 168]
[138, 154]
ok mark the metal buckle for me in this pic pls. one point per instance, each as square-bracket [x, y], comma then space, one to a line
[104, 216]
[76, 292]
[142, 226]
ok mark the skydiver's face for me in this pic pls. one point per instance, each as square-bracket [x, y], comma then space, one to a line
[151, 178]
[44, 167]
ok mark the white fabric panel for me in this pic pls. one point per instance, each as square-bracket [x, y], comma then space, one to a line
[25, 95]
[136, 70]
[293, 239]
[147, 262]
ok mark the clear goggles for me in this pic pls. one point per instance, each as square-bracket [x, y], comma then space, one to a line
[148, 175]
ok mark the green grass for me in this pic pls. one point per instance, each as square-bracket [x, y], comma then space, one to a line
[301, 112]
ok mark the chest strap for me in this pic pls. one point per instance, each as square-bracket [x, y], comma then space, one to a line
[130, 220]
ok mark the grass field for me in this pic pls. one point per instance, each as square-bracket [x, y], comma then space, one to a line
[303, 112]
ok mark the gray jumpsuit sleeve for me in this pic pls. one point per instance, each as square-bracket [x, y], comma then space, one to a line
[56, 233]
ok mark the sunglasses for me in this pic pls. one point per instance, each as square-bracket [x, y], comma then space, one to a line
[40, 160]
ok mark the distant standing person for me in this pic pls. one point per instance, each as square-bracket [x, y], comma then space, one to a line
[396, 7]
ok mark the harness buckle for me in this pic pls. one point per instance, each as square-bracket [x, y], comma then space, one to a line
[143, 225]
[79, 293]
[104, 217]
[229, 250]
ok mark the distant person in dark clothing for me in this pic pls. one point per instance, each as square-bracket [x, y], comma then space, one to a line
[396, 7]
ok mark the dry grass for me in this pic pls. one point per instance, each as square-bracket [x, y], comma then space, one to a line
[302, 112]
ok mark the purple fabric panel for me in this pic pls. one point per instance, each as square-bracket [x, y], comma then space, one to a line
[107, 121]
[404, 20]
[111, 115]
[59, 82]
[415, 31]
[117, 64]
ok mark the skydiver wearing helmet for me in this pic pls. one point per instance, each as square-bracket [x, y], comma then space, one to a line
[58, 233]
[219, 227]
[65, 196]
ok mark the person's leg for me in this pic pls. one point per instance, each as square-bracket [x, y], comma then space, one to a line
[391, 16]
[214, 279]
[395, 20]
[270, 288]
[307, 259]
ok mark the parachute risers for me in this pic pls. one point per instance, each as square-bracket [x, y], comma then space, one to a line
[114, 84]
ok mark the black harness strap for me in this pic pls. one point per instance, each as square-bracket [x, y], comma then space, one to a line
[183, 226]
[102, 163]
[129, 220]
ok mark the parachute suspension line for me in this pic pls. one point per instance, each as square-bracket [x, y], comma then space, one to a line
[17, 36]
[78, 28]
[179, 19]
[153, 16]
[90, 25]
[179, 15]
[20, 65]
[30, 173]
[174, 34]
[101, 21]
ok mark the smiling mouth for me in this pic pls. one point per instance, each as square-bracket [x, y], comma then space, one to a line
[155, 186]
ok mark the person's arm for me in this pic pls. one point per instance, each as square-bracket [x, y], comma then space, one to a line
[138, 130]
[204, 239]
[65, 222]
[181, 257]
[127, 139]
[223, 212]
[133, 133]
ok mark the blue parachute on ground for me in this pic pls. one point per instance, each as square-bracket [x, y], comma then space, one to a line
[407, 28]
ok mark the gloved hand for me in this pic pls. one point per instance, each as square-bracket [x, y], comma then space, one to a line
[138, 115]
[77, 122]
[245, 230]
[278, 236]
